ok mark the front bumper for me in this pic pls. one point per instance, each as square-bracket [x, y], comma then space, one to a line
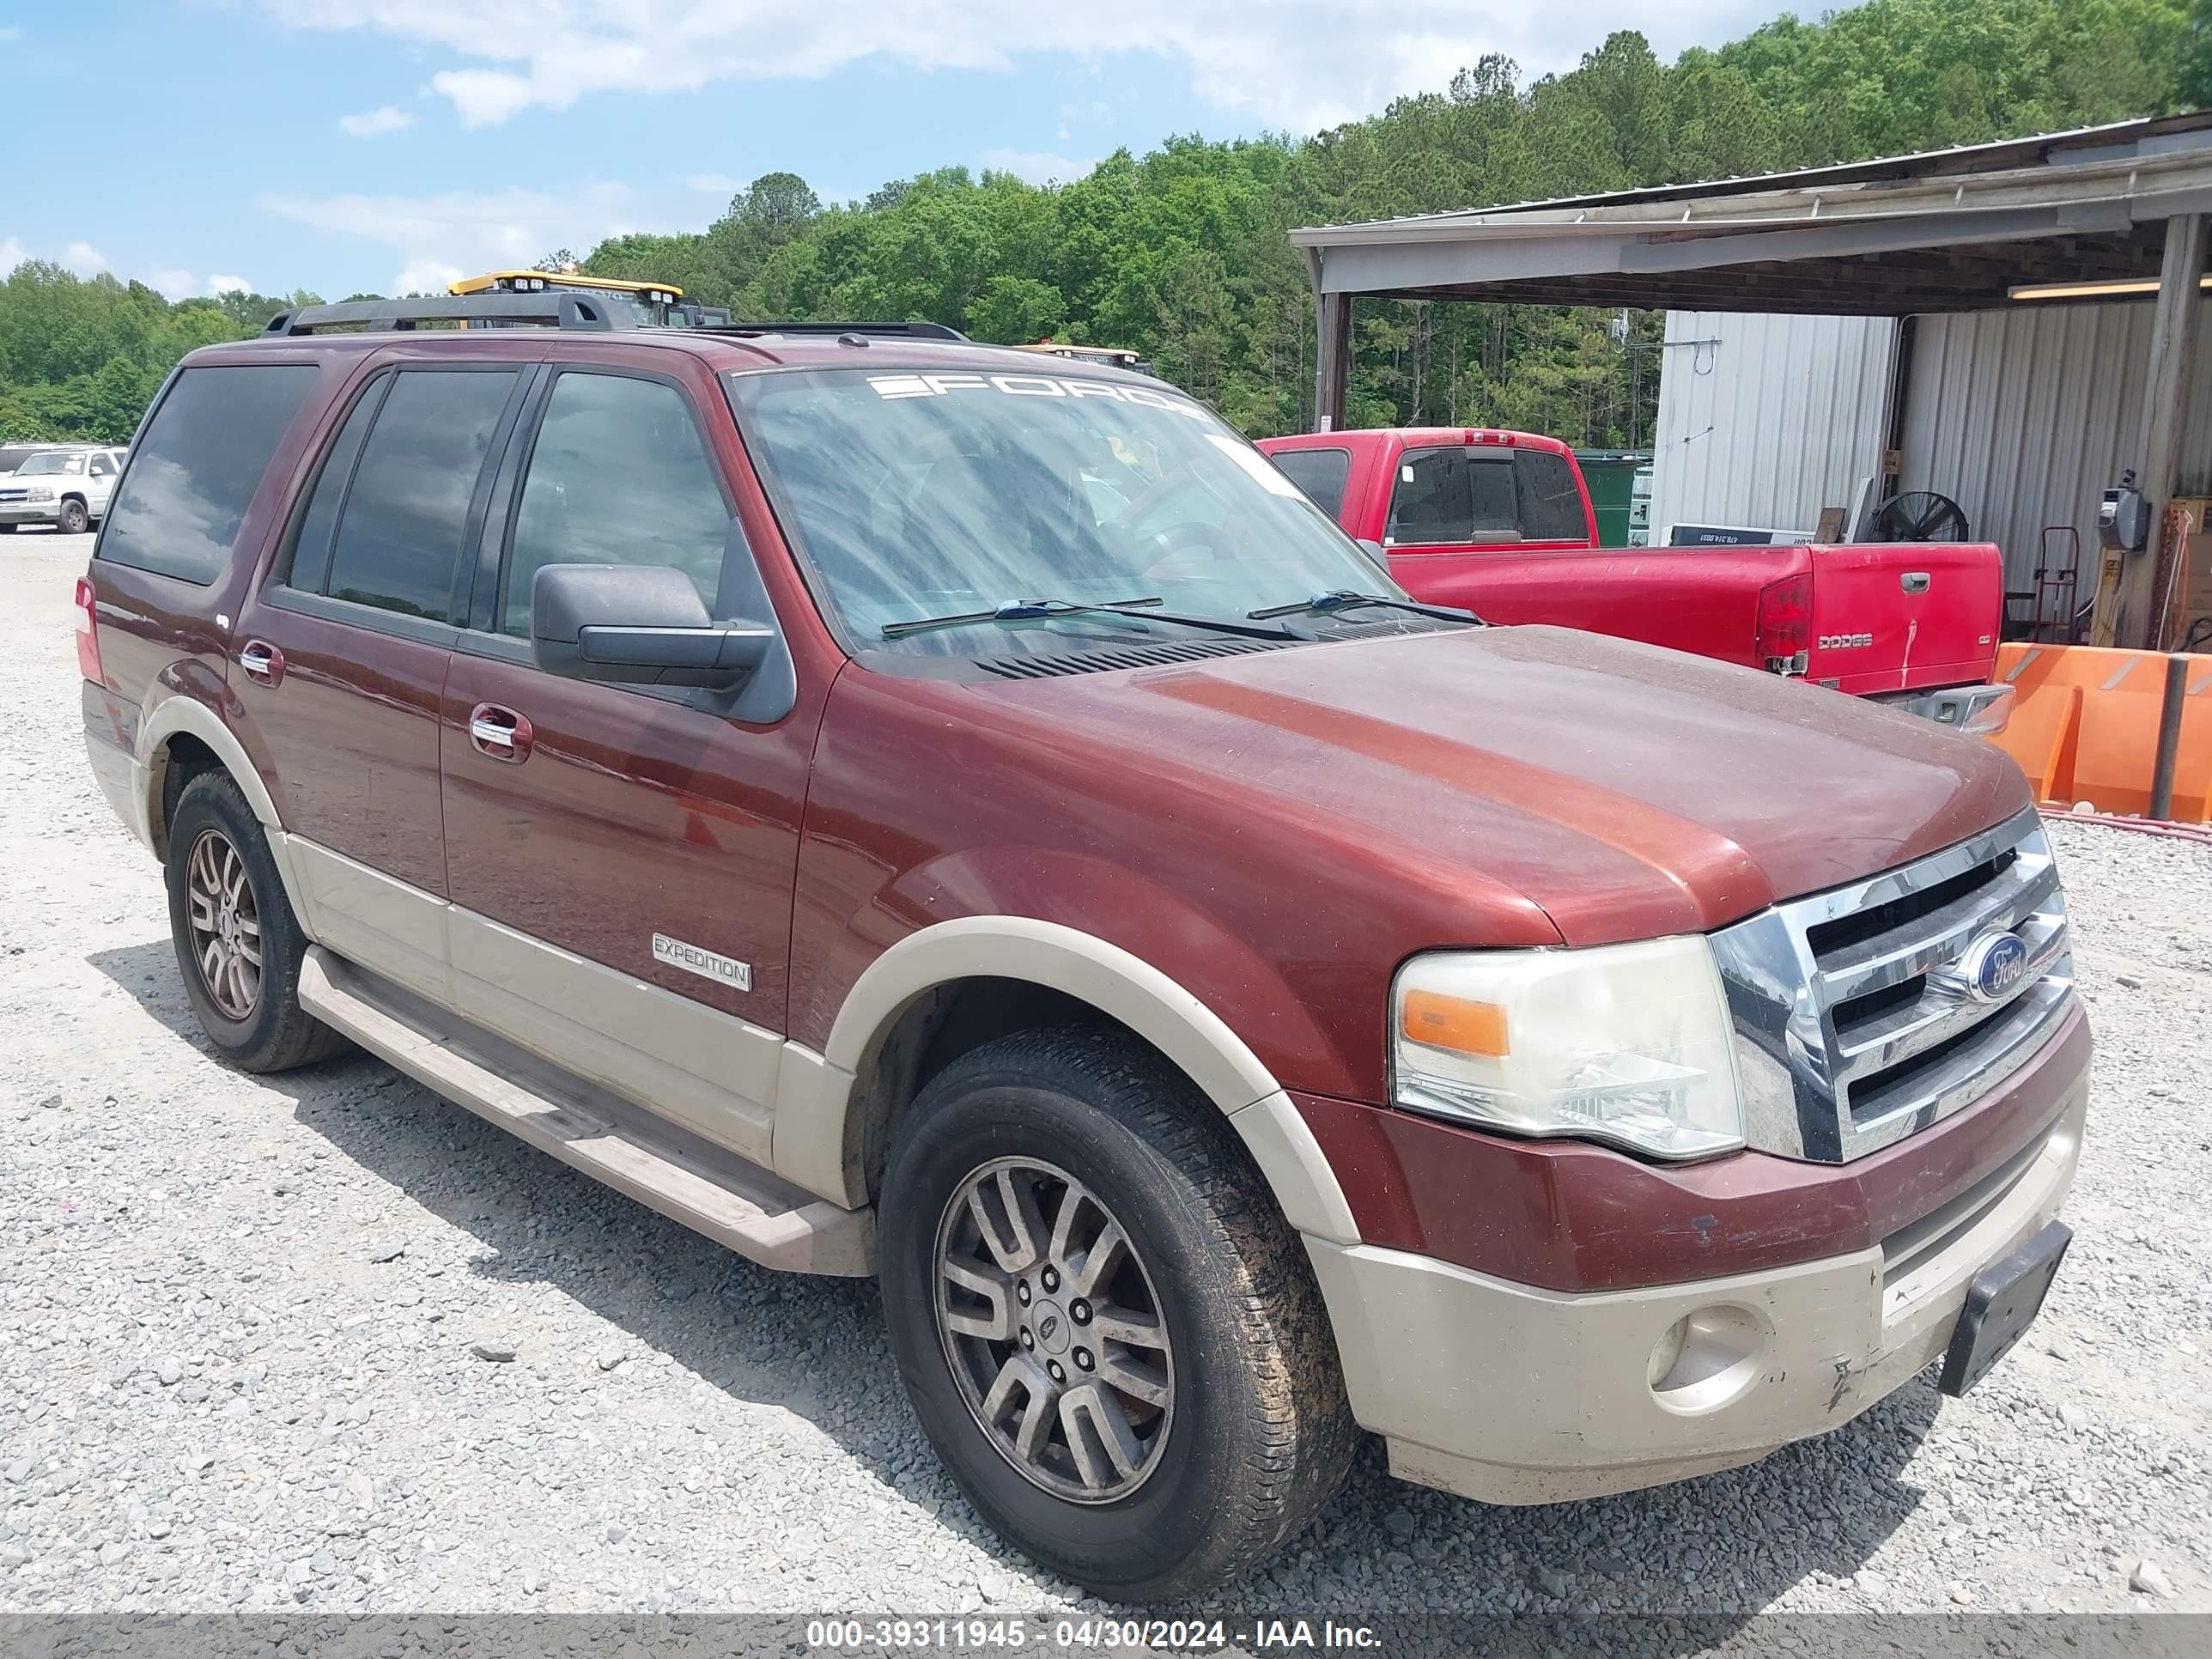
[30, 511]
[1515, 1394]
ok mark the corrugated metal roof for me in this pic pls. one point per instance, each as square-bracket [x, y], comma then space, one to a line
[2117, 141]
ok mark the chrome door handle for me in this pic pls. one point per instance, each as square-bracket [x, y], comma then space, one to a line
[264, 663]
[500, 733]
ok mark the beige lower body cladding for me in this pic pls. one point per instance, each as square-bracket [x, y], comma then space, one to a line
[1513, 1395]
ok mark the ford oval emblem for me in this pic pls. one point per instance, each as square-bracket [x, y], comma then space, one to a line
[1994, 966]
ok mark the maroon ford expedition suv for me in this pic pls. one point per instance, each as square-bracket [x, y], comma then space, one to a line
[904, 808]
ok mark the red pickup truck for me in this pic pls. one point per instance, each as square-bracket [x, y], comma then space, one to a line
[1500, 523]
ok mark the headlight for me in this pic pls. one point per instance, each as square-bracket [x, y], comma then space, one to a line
[1625, 1043]
[39, 493]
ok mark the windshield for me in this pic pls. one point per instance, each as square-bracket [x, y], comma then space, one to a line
[925, 496]
[50, 463]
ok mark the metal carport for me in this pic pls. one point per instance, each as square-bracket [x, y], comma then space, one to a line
[1944, 231]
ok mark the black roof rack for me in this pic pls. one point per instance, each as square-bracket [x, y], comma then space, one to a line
[552, 308]
[908, 330]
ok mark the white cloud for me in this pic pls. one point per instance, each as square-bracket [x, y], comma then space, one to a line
[377, 121]
[12, 253]
[1038, 167]
[228, 285]
[172, 284]
[1301, 64]
[84, 259]
[713, 183]
[436, 239]
[425, 276]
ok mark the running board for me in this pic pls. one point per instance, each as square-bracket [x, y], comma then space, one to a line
[704, 1187]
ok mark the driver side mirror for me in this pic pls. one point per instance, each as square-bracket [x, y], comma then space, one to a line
[633, 624]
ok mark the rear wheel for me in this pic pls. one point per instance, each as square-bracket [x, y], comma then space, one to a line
[74, 518]
[238, 944]
[1110, 1335]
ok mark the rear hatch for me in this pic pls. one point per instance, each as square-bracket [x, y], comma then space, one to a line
[1904, 615]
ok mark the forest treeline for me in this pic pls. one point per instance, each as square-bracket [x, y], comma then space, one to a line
[1181, 253]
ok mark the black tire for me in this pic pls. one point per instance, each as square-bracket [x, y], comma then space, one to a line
[277, 1033]
[74, 520]
[9, 529]
[1261, 1436]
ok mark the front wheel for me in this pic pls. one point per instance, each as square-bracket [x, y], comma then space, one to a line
[74, 521]
[1110, 1334]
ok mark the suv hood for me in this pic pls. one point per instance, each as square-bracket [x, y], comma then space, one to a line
[1628, 791]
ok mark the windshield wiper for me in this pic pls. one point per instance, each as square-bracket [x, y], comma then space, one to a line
[1030, 610]
[1322, 604]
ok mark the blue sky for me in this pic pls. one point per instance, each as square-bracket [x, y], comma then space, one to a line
[380, 144]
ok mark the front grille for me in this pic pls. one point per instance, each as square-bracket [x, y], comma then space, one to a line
[1855, 1027]
[14, 495]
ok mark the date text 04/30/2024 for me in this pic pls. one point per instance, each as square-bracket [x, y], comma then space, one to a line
[1087, 1634]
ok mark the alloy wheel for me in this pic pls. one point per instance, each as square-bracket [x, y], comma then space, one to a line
[1053, 1331]
[226, 927]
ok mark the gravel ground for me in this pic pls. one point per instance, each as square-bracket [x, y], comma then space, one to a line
[243, 1323]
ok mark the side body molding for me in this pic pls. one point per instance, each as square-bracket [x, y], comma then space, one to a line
[819, 1122]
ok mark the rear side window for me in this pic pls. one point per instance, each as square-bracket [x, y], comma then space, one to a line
[1551, 505]
[399, 533]
[1322, 473]
[619, 474]
[195, 468]
[308, 567]
[1452, 496]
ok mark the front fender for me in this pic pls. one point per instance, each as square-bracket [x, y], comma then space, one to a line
[991, 898]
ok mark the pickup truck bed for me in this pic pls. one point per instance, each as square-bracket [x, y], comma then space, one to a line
[1500, 523]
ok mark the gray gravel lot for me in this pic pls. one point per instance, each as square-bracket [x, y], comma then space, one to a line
[242, 1325]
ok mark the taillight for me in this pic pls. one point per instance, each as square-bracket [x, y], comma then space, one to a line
[88, 632]
[1785, 637]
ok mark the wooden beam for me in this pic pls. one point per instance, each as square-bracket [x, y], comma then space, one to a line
[2173, 339]
[1333, 356]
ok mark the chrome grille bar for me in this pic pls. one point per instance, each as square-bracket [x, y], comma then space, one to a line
[1854, 1027]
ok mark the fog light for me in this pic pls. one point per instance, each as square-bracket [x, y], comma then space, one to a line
[1710, 1358]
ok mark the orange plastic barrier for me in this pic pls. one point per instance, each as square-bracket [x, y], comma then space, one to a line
[2085, 726]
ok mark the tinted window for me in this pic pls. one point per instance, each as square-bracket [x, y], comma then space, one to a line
[1452, 496]
[309, 563]
[619, 474]
[399, 537]
[1551, 504]
[1320, 472]
[195, 468]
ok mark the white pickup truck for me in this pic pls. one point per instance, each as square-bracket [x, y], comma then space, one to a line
[68, 488]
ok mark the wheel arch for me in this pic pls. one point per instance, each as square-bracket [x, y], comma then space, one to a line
[182, 737]
[947, 989]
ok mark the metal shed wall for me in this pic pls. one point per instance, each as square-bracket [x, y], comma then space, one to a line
[2024, 416]
[1766, 420]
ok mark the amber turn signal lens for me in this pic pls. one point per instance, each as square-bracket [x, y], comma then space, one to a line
[1455, 1023]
